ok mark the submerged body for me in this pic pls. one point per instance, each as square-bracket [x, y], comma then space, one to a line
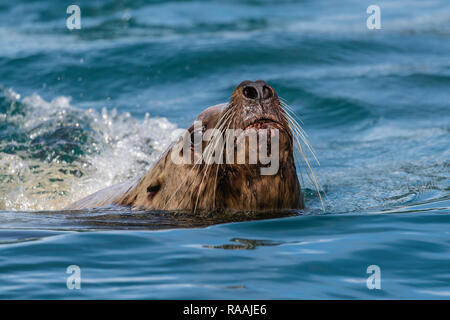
[203, 186]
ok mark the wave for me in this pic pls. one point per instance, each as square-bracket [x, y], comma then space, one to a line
[52, 153]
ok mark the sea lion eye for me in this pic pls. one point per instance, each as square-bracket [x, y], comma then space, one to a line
[153, 189]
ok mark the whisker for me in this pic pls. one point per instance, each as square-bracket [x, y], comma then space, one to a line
[210, 149]
[305, 141]
[292, 115]
[311, 175]
[227, 112]
[293, 122]
[288, 107]
[299, 136]
[217, 169]
[182, 183]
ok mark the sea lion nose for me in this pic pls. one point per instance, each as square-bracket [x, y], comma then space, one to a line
[258, 90]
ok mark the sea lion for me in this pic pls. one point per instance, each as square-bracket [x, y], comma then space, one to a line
[200, 186]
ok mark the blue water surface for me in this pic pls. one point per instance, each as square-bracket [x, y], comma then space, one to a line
[83, 109]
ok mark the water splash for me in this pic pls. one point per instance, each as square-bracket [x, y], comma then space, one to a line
[52, 153]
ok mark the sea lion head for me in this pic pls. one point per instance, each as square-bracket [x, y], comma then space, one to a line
[255, 106]
[219, 171]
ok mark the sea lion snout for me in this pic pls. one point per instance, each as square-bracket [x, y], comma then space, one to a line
[256, 90]
[258, 107]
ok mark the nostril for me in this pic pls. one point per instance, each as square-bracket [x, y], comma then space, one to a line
[267, 92]
[250, 92]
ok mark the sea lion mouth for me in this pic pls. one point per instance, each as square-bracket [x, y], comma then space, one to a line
[264, 123]
[272, 127]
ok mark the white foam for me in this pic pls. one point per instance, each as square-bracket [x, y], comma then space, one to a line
[127, 148]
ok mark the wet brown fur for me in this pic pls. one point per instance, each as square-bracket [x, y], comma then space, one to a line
[203, 188]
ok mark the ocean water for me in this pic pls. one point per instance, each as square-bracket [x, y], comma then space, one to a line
[84, 109]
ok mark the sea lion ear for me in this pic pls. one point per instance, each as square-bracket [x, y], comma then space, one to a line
[153, 188]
